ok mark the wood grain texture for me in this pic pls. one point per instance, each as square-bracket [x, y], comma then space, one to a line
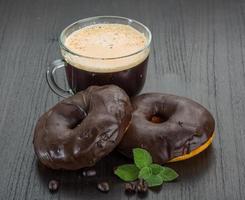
[198, 51]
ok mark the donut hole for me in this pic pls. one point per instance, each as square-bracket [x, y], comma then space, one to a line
[158, 118]
[71, 115]
[73, 123]
[76, 118]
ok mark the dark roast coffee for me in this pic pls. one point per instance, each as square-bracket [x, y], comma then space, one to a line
[131, 80]
[107, 54]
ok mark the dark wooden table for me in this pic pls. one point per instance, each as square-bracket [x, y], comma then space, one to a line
[198, 51]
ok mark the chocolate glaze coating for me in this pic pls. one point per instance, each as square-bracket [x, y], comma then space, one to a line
[184, 126]
[80, 130]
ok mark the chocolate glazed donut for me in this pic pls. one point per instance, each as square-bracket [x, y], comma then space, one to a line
[168, 126]
[80, 130]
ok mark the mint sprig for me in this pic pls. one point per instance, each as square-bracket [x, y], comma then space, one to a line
[145, 173]
[168, 174]
[154, 180]
[142, 158]
[127, 172]
[143, 168]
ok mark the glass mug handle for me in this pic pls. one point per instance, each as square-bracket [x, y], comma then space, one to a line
[57, 64]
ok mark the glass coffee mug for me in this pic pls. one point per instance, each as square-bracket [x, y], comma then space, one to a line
[127, 71]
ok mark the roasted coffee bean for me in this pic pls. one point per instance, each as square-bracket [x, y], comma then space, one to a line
[103, 187]
[90, 172]
[130, 187]
[142, 186]
[53, 185]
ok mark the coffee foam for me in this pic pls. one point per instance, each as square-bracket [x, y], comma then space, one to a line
[105, 41]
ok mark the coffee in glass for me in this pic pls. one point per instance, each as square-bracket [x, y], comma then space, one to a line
[104, 50]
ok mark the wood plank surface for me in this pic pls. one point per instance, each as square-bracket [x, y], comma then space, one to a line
[198, 51]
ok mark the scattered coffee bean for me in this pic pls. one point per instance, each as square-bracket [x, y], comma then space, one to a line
[142, 186]
[53, 185]
[90, 172]
[130, 187]
[103, 187]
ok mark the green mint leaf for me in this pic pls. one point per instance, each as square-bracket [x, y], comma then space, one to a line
[142, 158]
[156, 169]
[145, 173]
[168, 174]
[127, 172]
[154, 180]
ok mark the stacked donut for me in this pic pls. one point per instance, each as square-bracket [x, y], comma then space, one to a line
[82, 129]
